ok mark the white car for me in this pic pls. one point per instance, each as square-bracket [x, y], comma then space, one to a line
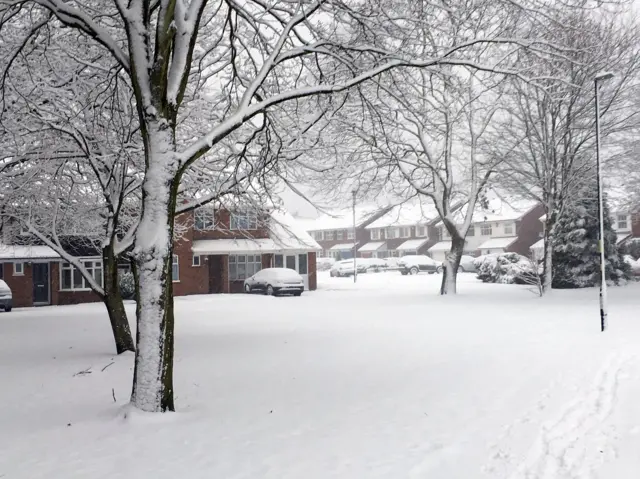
[325, 264]
[6, 298]
[466, 264]
[413, 264]
[345, 267]
[374, 264]
[274, 282]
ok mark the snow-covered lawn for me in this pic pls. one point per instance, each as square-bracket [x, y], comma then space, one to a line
[382, 379]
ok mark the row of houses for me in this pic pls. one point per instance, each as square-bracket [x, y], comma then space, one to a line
[216, 250]
[500, 225]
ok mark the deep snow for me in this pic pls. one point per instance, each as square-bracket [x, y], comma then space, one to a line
[381, 379]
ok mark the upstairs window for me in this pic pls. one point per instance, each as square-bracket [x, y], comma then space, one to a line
[392, 233]
[340, 234]
[204, 219]
[508, 229]
[421, 231]
[405, 232]
[623, 222]
[485, 229]
[244, 221]
[350, 234]
[328, 235]
[375, 234]
[472, 231]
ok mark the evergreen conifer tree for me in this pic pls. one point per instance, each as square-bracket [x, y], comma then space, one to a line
[576, 258]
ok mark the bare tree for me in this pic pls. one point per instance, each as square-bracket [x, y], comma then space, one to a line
[239, 59]
[549, 129]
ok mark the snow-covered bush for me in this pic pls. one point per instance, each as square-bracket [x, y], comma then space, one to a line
[505, 268]
[127, 285]
[634, 265]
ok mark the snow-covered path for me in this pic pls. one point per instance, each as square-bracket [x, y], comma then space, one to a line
[383, 379]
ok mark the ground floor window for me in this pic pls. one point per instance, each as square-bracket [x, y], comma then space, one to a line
[303, 267]
[71, 279]
[242, 266]
[175, 269]
[18, 269]
[1, 271]
[196, 260]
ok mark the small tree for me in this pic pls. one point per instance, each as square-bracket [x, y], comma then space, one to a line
[576, 258]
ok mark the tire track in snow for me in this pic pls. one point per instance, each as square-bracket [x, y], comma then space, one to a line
[576, 444]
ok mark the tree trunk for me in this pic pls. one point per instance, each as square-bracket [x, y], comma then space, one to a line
[451, 265]
[547, 272]
[113, 301]
[153, 373]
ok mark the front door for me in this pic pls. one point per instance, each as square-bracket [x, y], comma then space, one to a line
[40, 283]
[296, 262]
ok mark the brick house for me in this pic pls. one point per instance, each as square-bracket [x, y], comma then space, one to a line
[216, 251]
[334, 232]
[403, 230]
[503, 226]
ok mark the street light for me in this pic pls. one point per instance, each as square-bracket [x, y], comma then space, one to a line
[355, 267]
[603, 277]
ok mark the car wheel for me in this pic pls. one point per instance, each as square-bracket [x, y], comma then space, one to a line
[299, 293]
[461, 270]
[7, 309]
[247, 288]
[439, 269]
[270, 291]
[414, 270]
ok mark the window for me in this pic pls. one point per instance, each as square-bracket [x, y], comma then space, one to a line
[340, 234]
[175, 269]
[421, 231]
[472, 231]
[302, 264]
[508, 229]
[317, 235]
[71, 279]
[1, 271]
[242, 266]
[405, 232]
[392, 233]
[278, 261]
[485, 230]
[204, 219]
[350, 234]
[622, 222]
[18, 269]
[375, 234]
[328, 235]
[196, 260]
[244, 221]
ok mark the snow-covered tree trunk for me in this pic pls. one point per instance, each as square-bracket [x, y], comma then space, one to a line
[153, 374]
[112, 300]
[547, 273]
[451, 265]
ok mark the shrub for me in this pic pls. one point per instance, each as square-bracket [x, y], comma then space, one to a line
[127, 285]
[505, 268]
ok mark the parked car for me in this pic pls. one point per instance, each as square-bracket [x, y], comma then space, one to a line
[392, 263]
[345, 267]
[466, 264]
[374, 264]
[416, 263]
[6, 297]
[325, 264]
[274, 282]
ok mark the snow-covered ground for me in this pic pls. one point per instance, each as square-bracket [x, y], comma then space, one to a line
[381, 379]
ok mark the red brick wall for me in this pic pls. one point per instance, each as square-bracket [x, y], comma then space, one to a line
[222, 231]
[21, 285]
[528, 231]
[313, 275]
[191, 279]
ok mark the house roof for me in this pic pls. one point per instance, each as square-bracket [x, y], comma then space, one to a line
[441, 246]
[538, 246]
[372, 246]
[407, 214]
[498, 207]
[341, 219]
[284, 235]
[495, 243]
[622, 237]
[412, 244]
[342, 247]
[12, 252]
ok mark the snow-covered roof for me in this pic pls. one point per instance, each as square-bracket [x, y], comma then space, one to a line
[441, 246]
[495, 243]
[285, 234]
[497, 208]
[372, 246]
[412, 244]
[622, 237]
[538, 246]
[342, 247]
[406, 215]
[341, 219]
[27, 252]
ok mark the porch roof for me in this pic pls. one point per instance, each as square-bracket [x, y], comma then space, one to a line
[244, 245]
[441, 246]
[412, 244]
[495, 243]
[28, 252]
[372, 246]
[342, 247]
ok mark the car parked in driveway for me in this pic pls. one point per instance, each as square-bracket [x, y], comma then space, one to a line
[345, 267]
[374, 264]
[6, 297]
[466, 264]
[415, 264]
[275, 282]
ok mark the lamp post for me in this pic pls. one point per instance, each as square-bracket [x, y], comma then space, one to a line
[355, 266]
[603, 277]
